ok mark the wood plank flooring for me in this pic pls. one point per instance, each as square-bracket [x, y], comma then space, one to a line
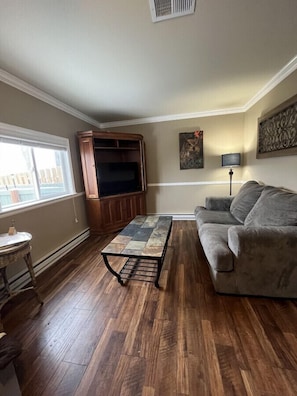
[96, 337]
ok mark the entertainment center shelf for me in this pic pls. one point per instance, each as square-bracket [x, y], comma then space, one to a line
[113, 166]
[114, 144]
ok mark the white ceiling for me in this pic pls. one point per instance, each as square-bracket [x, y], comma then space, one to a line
[108, 60]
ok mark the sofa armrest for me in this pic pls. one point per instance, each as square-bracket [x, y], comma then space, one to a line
[218, 203]
[265, 260]
[264, 243]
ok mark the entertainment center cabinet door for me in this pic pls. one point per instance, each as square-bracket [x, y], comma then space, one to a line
[88, 167]
[118, 211]
[114, 213]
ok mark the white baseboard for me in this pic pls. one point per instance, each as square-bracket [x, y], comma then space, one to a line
[22, 278]
[185, 216]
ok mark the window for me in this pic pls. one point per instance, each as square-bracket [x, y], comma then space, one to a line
[34, 166]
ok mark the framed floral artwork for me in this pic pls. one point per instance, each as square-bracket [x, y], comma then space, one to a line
[191, 150]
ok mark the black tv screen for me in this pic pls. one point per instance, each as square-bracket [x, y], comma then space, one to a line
[118, 178]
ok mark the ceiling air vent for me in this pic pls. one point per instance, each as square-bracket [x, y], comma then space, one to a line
[166, 9]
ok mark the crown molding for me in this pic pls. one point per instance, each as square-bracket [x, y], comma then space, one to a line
[173, 117]
[17, 83]
[37, 93]
[288, 69]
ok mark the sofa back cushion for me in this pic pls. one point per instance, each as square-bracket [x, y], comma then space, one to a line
[275, 207]
[246, 198]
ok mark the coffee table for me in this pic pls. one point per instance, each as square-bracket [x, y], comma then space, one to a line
[144, 243]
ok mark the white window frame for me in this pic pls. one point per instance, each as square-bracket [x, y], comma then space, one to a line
[40, 139]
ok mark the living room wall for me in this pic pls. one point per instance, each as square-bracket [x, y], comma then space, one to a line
[170, 190]
[52, 225]
[175, 191]
[278, 171]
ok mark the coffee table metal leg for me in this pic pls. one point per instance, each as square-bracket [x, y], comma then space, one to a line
[158, 273]
[111, 270]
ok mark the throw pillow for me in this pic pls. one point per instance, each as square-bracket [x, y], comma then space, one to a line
[275, 207]
[246, 198]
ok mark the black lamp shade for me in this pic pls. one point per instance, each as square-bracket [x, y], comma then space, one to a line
[231, 160]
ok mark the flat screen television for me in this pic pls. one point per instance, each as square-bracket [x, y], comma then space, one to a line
[118, 178]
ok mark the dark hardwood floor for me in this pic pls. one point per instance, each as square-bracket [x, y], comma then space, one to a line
[94, 337]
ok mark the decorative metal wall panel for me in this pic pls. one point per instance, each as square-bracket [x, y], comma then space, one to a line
[277, 131]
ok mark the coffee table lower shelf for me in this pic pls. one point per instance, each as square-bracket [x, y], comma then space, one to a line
[139, 269]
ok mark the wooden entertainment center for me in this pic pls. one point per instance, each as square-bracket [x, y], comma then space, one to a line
[113, 166]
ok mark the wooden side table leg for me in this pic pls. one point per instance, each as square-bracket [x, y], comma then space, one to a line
[7, 290]
[28, 260]
[5, 280]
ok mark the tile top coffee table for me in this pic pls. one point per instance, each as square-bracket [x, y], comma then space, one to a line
[144, 242]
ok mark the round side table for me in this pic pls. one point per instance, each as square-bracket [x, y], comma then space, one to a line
[16, 247]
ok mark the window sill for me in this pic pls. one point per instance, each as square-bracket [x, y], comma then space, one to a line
[33, 205]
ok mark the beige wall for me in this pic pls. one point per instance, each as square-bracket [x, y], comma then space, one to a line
[279, 171]
[222, 134]
[52, 225]
[18, 108]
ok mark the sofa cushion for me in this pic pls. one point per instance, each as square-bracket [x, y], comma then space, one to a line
[214, 216]
[214, 239]
[218, 203]
[275, 207]
[246, 198]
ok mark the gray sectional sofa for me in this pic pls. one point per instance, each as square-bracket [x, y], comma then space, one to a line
[250, 241]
